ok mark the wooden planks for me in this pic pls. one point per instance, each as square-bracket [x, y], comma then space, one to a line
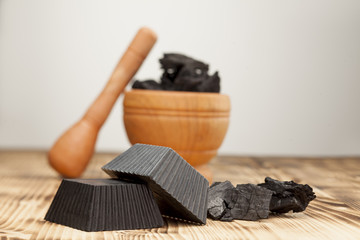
[28, 184]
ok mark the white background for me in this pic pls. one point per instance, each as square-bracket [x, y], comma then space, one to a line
[291, 68]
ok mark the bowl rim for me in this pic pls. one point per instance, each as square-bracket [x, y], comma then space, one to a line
[168, 92]
[180, 101]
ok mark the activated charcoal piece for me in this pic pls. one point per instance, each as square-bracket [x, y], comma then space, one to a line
[180, 191]
[182, 73]
[147, 84]
[216, 203]
[288, 195]
[245, 202]
[248, 202]
[104, 205]
[253, 202]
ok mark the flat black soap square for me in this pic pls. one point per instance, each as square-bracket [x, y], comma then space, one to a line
[104, 205]
[179, 189]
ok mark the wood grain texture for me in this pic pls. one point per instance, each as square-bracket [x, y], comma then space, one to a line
[28, 185]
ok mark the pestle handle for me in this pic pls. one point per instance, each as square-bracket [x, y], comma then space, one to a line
[72, 151]
[122, 74]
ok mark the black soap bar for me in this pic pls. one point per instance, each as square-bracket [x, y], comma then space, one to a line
[245, 202]
[104, 205]
[180, 191]
[182, 73]
[288, 195]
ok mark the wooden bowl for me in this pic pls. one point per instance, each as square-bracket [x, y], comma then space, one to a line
[192, 124]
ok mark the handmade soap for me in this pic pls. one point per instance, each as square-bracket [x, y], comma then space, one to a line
[104, 205]
[180, 191]
[182, 73]
[288, 195]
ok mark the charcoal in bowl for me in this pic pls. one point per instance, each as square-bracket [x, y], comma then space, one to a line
[104, 205]
[147, 84]
[182, 73]
[180, 191]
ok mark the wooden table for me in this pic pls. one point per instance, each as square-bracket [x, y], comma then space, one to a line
[28, 184]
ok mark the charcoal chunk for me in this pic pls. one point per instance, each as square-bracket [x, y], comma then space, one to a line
[216, 208]
[182, 73]
[216, 203]
[147, 84]
[245, 202]
[253, 202]
[288, 195]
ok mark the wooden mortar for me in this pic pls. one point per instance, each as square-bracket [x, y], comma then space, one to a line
[192, 124]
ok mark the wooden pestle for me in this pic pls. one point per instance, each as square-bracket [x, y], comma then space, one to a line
[72, 151]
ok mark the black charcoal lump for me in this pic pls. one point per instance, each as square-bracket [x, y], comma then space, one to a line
[288, 195]
[245, 202]
[254, 202]
[250, 202]
[216, 202]
[182, 73]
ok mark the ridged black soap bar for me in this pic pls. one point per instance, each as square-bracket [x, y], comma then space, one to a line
[179, 189]
[104, 205]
